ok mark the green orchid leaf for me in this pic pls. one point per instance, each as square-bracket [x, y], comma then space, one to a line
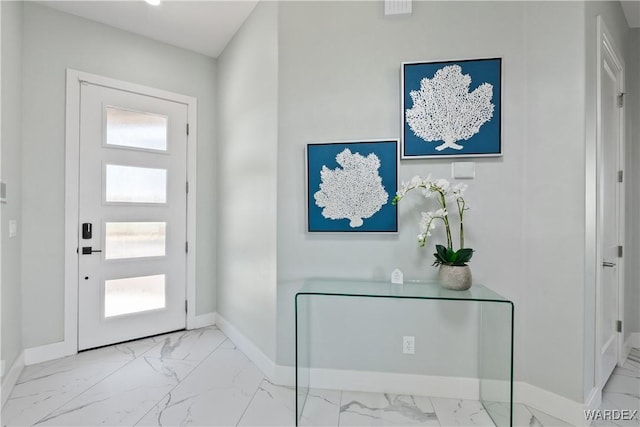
[442, 252]
[464, 255]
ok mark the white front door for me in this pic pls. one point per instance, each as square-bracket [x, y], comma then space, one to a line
[132, 216]
[610, 208]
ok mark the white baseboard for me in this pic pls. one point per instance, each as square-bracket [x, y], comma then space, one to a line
[204, 320]
[285, 376]
[47, 352]
[634, 340]
[494, 390]
[451, 387]
[9, 381]
[245, 345]
[594, 400]
[384, 382]
[550, 403]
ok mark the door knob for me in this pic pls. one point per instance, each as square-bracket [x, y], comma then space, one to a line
[608, 264]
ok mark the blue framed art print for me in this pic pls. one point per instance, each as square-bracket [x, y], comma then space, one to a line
[350, 186]
[451, 109]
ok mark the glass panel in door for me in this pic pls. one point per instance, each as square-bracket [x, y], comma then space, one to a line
[134, 295]
[125, 240]
[136, 129]
[131, 184]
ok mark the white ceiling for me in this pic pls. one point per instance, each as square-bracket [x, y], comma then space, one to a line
[201, 26]
[204, 26]
[632, 12]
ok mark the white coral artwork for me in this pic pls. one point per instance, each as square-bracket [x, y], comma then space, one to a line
[353, 191]
[444, 110]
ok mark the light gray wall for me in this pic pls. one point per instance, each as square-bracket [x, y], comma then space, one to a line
[53, 42]
[247, 176]
[632, 170]
[340, 70]
[554, 198]
[11, 174]
[339, 80]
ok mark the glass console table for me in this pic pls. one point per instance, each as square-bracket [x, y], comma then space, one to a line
[337, 305]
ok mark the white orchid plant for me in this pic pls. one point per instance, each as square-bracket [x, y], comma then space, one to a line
[443, 192]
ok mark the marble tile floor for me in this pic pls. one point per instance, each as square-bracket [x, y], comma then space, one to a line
[200, 378]
[622, 391]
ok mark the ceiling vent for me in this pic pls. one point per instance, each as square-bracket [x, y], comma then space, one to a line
[397, 7]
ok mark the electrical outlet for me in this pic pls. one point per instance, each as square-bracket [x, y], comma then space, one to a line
[408, 345]
[13, 228]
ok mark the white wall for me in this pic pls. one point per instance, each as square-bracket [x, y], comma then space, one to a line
[53, 42]
[632, 271]
[340, 70]
[247, 176]
[11, 174]
[554, 198]
[339, 80]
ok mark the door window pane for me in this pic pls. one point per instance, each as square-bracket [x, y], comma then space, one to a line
[134, 129]
[134, 239]
[134, 295]
[131, 184]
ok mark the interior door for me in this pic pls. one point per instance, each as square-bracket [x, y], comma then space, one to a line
[132, 214]
[610, 196]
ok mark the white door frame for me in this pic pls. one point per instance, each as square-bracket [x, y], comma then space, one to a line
[72, 176]
[605, 41]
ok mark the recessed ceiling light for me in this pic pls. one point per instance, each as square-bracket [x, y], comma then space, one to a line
[153, 2]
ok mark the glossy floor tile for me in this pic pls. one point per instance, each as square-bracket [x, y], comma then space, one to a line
[199, 378]
[45, 387]
[376, 409]
[275, 405]
[216, 393]
[455, 412]
[522, 416]
[124, 396]
[622, 393]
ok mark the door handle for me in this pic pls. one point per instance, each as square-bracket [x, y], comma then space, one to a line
[88, 250]
[608, 264]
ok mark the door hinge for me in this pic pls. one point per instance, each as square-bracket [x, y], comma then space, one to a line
[187, 128]
[620, 176]
[619, 326]
[186, 306]
[187, 187]
[620, 251]
[621, 100]
[186, 247]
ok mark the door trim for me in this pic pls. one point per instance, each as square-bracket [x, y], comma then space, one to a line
[72, 176]
[605, 42]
